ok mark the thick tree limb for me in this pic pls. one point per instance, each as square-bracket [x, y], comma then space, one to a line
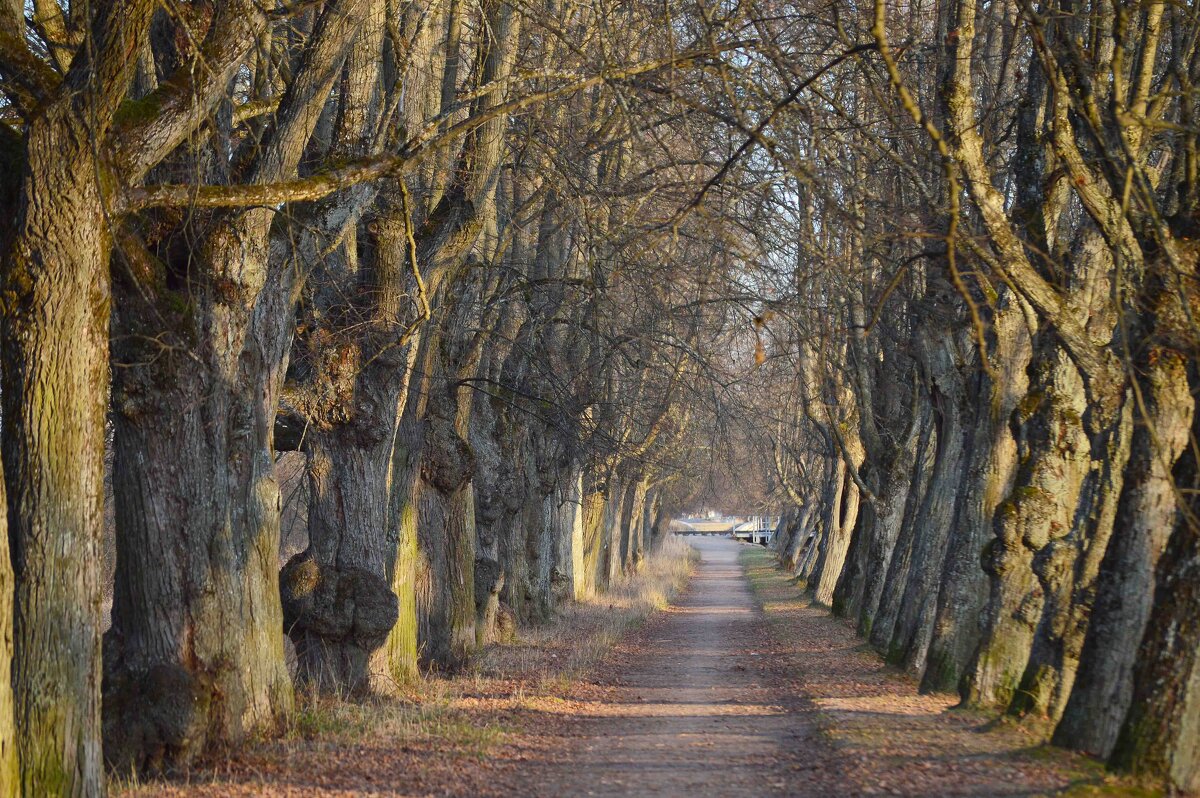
[168, 115]
[26, 80]
[434, 136]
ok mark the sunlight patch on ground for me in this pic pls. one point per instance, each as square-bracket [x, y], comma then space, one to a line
[885, 704]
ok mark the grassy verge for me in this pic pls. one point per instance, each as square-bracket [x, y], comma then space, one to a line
[584, 631]
[863, 707]
[439, 719]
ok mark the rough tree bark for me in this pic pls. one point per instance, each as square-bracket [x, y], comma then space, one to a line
[913, 628]
[197, 501]
[1103, 686]
[888, 516]
[1161, 732]
[56, 380]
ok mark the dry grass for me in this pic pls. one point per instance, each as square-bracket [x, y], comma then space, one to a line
[582, 632]
[338, 747]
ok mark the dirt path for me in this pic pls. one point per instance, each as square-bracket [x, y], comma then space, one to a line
[713, 696]
[700, 707]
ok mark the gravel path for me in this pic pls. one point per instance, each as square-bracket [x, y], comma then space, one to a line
[699, 708]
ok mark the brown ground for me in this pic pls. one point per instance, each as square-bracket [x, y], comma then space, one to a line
[711, 697]
[891, 739]
[696, 704]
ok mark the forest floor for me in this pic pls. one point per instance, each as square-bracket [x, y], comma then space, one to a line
[736, 687]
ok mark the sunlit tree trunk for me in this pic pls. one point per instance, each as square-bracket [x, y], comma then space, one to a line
[1160, 735]
[1103, 687]
[55, 339]
[198, 513]
[198, 506]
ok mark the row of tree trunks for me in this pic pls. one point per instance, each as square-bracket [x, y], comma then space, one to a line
[1025, 541]
[313, 221]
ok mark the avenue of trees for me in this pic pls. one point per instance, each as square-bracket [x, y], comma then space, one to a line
[983, 399]
[517, 280]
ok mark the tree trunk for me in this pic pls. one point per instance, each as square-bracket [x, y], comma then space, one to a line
[914, 622]
[828, 514]
[632, 511]
[1058, 643]
[887, 516]
[445, 500]
[1103, 685]
[797, 528]
[1161, 733]
[891, 586]
[350, 387]
[845, 523]
[408, 571]
[611, 529]
[990, 467]
[197, 502]
[565, 516]
[594, 510]
[56, 382]
[198, 515]
[1034, 527]
[10, 784]
[847, 595]
[338, 605]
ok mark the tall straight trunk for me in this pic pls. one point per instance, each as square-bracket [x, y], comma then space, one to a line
[632, 512]
[564, 514]
[546, 518]
[540, 547]
[56, 382]
[593, 510]
[443, 498]
[650, 518]
[10, 775]
[913, 628]
[611, 529]
[407, 571]
[1104, 686]
[519, 527]
[499, 494]
[886, 517]
[891, 585]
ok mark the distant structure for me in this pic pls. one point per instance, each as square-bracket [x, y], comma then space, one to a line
[756, 529]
